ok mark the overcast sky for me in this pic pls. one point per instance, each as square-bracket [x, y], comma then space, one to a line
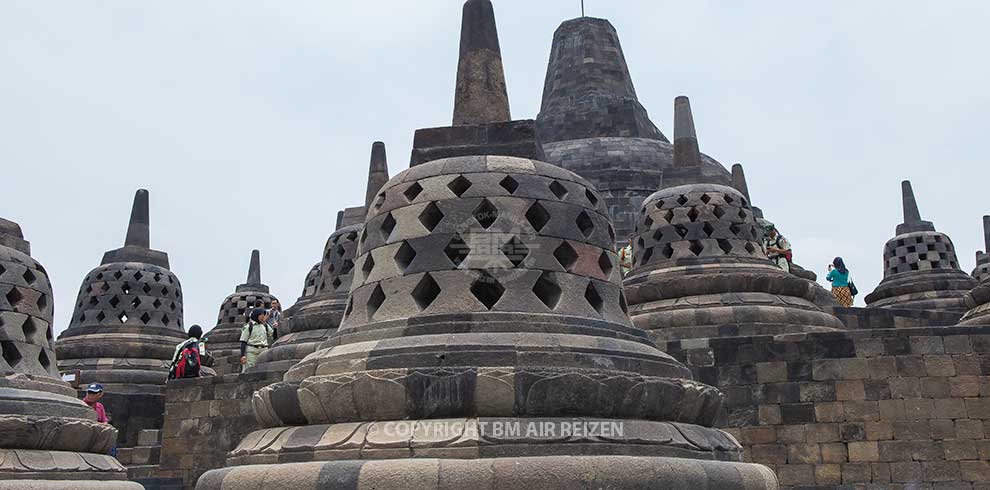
[251, 122]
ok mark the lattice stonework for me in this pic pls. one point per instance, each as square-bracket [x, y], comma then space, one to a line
[922, 251]
[236, 307]
[129, 293]
[337, 267]
[486, 241]
[695, 226]
[25, 315]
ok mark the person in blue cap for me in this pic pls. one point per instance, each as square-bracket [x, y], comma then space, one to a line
[93, 394]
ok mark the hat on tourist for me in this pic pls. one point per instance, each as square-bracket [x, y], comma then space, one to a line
[95, 388]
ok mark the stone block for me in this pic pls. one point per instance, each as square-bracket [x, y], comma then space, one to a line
[876, 389]
[949, 408]
[958, 450]
[791, 434]
[918, 408]
[861, 410]
[818, 433]
[906, 472]
[803, 454]
[834, 453]
[941, 471]
[856, 473]
[969, 429]
[866, 451]
[759, 435]
[905, 387]
[880, 472]
[771, 372]
[817, 392]
[943, 429]
[796, 474]
[879, 431]
[968, 365]
[957, 344]
[828, 474]
[850, 390]
[883, 367]
[891, 409]
[768, 454]
[769, 415]
[854, 368]
[911, 366]
[829, 412]
[978, 408]
[853, 431]
[825, 369]
[797, 413]
[927, 345]
[934, 387]
[940, 365]
[975, 471]
[912, 430]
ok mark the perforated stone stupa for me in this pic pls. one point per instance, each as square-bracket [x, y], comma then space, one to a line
[49, 440]
[309, 324]
[128, 315]
[592, 123]
[982, 269]
[224, 338]
[921, 270]
[486, 290]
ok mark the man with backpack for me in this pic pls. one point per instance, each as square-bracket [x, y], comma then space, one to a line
[188, 358]
[256, 336]
[777, 247]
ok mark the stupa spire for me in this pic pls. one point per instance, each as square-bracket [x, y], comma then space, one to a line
[912, 217]
[986, 235]
[739, 181]
[139, 226]
[686, 151]
[480, 95]
[377, 173]
[254, 268]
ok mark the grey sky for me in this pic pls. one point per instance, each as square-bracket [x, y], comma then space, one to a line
[251, 122]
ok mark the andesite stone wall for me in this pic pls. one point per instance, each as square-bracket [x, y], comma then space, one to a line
[881, 409]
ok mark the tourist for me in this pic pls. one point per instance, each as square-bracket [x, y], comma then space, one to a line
[274, 315]
[838, 275]
[777, 247]
[256, 336]
[626, 256]
[93, 395]
[189, 355]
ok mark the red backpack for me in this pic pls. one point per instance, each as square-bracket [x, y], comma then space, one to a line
[188, 362]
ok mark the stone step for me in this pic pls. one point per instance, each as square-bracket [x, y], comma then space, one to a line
[149, 437]
[139, 456]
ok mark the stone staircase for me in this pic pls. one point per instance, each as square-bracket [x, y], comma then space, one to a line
[142, 462]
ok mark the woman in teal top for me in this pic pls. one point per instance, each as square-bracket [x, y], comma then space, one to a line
[838, 275]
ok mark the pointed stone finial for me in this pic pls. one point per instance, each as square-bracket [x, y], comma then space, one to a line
[340, 219]
[254, 269]
[377, 172]
[739, 181]
[139, 227]
[912, 217]
[986, 235]
[686, 152]
[480, 94]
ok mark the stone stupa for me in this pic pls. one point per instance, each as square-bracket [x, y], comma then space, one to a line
[485, 311]
[921, 270]
[982, 269]
[223, 341]
[699, 268]
[310, 324]
[50, 440]
[592, 123]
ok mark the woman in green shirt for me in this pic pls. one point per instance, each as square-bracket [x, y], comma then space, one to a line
[838, 275]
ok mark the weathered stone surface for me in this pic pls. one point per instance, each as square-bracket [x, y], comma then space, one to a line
[480, 95]
[223, 341]
[982, 270]
[48, 438]
[699, 270]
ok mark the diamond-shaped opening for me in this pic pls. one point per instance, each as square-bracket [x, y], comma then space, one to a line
[340, 250]
[93, 301]
[705, 198]
[14, 296]
[164, 291]
[29, 277]
[605, 264]
[346, 267]
[558, 189]
[42, 302]
[44, 360]
[126, 288]
[729, 199]
[431, 216]
[425, 292]
[681, 230]
[375, 300]
[158, 277]
[136, 302]
[647, 255]
[105, 287]
[515, 250]
[658, 235]
[742, 214]
[101, 316]
[10, 353]
[404, 256]
[693, 214]
[157, 304]
[914, 267]
[99, 276]
[669, 215]
[725, 245]
[459, 186]
[547, 290]
[585, 224]
[658, 204]
[379, 200]
[29, 328]
[331, 268]
[364, 234]
[708, 228]
[122, 317]
[667, 251]
[509, 184]
[750, 247]
[592, 198]
[89, 288]
[388, 224]
[350, 306]
[118, 275]
[165, 319]
[718, 211]
[146, 289]
[611, 233]
[49, 334]
[486, 214]
[622, 302]
[2, 270]
[456, 250]
[145, 318]
[640, 243]
[138, 275]
[336, 283]
[593, 298]
[696, 247]
[412, 191]
[487, 289]
[351, 236]
[565, 255]
[682, 200]
[114, 301]
[648, 222]
[537, 216]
